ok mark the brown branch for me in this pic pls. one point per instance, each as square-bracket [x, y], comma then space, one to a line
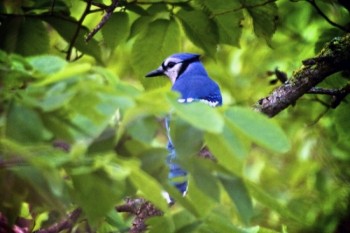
[142, 210]
[76, 34]
[105, 18]
[334, 57]
[65, 224]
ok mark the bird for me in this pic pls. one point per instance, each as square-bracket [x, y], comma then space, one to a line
[190, 79]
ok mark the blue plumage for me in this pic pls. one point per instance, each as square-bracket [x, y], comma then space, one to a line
[191, 80]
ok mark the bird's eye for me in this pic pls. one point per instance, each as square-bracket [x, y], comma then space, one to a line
[171, 64]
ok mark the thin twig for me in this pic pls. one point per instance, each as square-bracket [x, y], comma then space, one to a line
[76, 34]
[313, 3]
[105, 18]
[65, 224]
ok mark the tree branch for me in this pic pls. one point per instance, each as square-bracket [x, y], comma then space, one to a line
[334, 57]
[320, 12]
[142, 210]
[80, 23]
[105, 18]
[65, 224]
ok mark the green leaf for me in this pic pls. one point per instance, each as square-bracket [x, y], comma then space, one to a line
[238, 193]
[116, 29]
[158, 41]
[204, 178]
[259, 128]
[264, 17]
[228, 20]
[273, 203]
[186, 139]
[47, 64]
[200, 29]
[342, 124]
[228, 147]
[139, 24]
[153, 162]
[185, 222]
[148, 186]
[218, 221]
[25, 125]
[25, 36]
[94, 187]
[199, 115]
[162, 224]
[143, 129]
[67, 29]
[69, 71]
[229, 27]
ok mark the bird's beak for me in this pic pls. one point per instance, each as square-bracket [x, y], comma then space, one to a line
[154, 73]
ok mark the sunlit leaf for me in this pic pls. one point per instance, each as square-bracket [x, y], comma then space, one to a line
[149, 51]
[199, 115]
[47, 64]
[228, 147]
[200, 29]
[259, 128]
[149, 187]
[161, 224]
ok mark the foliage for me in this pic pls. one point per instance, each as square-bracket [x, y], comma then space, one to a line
[87, 132]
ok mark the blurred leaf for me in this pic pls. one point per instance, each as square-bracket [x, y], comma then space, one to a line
[239, 195]
[341, 122]
[67, 29]
[69, 71]
[143, 129]
[218, 221]
[153, 162]
[228, 147]
[259, 128]
[148, 186]
[116, 29]
[47, 64]
[160, 224]
[272, 202]
[199, 115]
[265, 17]
[204, 179]
[186, 139]
[200, 29]
[26, 36]
[148, 50]
[25, 125]
[90, 188]
[185, 222]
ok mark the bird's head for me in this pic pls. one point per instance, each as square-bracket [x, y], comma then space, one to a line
[174, 65]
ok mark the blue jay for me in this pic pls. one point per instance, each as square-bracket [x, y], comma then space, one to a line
[188, 77]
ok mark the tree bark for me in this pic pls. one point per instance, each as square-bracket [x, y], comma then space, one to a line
[333, 58]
